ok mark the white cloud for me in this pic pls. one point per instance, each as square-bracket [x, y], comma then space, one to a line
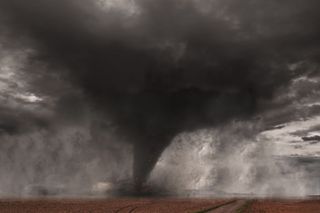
[28, 97]
[289, 144]
[128, 7]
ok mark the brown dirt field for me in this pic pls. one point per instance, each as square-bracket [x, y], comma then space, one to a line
[164, 205]
[108, 205]
[231, 207]
[285, 206]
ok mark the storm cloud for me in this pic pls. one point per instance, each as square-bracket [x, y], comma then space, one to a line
[154, 69]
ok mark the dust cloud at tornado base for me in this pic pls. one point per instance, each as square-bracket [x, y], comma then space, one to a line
[121, 83]
[199, 163]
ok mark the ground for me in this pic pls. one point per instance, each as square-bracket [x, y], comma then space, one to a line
[136, 205]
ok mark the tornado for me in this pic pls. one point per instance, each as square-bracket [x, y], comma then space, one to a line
[155, 69]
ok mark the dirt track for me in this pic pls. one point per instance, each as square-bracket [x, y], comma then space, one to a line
[159, 206]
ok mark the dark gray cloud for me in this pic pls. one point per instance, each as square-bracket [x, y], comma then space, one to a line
[171, 67]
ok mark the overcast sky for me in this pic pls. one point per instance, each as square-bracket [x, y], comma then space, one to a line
[150, 70]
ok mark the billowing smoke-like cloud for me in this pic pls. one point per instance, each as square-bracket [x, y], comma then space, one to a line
[233, 159]
[153, 69]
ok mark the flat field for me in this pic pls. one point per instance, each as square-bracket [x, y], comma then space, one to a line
[159, 205]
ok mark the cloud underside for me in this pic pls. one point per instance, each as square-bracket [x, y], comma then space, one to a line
[149, 70]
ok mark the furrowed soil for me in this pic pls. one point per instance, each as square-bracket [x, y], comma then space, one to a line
[284, 206]
[163, 205]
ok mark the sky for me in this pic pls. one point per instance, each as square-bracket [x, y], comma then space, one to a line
[147, 72]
